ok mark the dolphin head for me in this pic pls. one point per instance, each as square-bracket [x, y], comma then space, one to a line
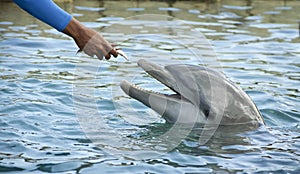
[201, 95]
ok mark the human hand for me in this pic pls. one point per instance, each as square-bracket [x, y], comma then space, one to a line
[92, 43]
[89, 41]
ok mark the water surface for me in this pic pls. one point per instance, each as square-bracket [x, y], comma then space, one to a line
[45, 84]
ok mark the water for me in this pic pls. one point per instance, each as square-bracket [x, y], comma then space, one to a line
[48, 93]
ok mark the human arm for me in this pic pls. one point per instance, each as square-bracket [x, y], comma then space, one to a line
[87, 40]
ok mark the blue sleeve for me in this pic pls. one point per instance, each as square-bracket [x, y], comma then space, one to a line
[46, 11]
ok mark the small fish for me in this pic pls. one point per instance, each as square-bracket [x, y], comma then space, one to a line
[121, 53]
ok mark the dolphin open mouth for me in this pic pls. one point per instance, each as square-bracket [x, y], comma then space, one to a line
[159, 73]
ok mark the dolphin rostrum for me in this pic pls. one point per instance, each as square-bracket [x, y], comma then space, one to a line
[201, 96]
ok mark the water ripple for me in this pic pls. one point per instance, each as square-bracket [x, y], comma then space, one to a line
[258, 47]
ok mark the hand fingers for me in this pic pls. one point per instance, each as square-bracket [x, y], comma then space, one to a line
[101, 51]
[106, 52]
[107, 57]
[99, 55]
[89, 53]
[114, 52]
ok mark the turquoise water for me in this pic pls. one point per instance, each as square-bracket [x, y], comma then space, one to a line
[50, 95]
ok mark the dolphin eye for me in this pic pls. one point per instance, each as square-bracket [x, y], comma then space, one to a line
[206, 113]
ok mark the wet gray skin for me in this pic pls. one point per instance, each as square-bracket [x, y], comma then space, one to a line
[201, 96]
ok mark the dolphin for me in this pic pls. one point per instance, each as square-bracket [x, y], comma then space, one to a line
[202, 95]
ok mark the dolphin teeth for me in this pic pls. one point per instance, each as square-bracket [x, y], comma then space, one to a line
[145, 90]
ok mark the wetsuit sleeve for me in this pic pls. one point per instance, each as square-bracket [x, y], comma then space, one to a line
[46, 11]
